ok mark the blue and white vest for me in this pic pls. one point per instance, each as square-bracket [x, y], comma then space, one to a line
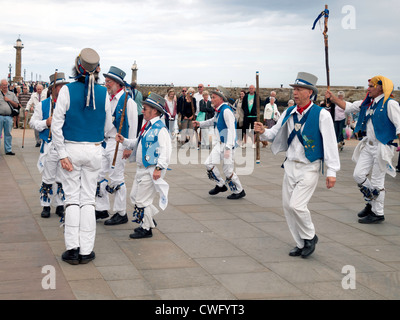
[117, 117]
[46, 105]
[150, 144]
[84, 124]
[313, 145]
[385, 131]
[221, 125]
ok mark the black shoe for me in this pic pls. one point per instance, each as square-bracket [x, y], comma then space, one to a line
[217, 190]
[71, 256]
[45, 212]
[372, 218]
[365, 212]
[155, 225]
[309, 247]
[37, 144]
[116, 219]
[101, 214]
[237, 195]
[141, 233]
[83, 259]
[60, 211]
[295, 252]
[10, 153]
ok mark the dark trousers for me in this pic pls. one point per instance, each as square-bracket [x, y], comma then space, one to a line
[339, 126]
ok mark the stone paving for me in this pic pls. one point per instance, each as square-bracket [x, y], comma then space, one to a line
[204, 247]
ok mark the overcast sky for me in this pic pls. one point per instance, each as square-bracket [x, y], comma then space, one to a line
[215, 42]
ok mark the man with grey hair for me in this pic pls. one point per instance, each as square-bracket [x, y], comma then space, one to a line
[305, 132]
[225, 124]
[7, 100]
[35, 99]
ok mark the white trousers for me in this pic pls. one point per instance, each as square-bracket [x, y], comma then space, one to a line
[206, 132]
[216, 157]
[50, 175]
[368, 162]
[116, 176]
[143, 194]
[80, 189]
[299, 183]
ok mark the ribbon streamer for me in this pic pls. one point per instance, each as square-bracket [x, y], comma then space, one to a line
[324, 13]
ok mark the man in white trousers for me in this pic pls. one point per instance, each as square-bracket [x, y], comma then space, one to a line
[152, 152]
[51, 191]
[379, 119]
[224, 122]
[306, 132]
[78, 127]
[116, 87]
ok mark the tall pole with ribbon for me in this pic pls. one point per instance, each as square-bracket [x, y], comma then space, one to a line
[257, 137]
[325, 14]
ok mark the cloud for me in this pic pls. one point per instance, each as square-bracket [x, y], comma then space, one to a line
[211, 41]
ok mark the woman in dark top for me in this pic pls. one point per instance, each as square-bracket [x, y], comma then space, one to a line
[187, 111]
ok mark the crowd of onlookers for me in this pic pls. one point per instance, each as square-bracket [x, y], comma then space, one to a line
[191, 104]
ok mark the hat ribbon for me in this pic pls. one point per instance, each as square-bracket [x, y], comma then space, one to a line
[301, 81]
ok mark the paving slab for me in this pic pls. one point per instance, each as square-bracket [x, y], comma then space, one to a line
[205, 247]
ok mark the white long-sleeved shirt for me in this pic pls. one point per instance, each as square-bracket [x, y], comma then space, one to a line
[393, 110]
[37, 123]
[229, 119]
[34, 100]
[295, 152]
[131, 114]
[63, 104]
[164, 140]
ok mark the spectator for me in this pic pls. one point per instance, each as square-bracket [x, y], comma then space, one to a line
[271, 113]
[199, 96]
[239, 116]
[179, 104]
[171, 112]
[340, 119]
[36, 97]
[208, 111]
[16, 118]
[24, 97]
[188, 115]
[138, 98]
[249, 106]
[7, 99]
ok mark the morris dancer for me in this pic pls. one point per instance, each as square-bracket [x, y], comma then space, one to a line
[380, 119]
[305, 131]
[78, 127]
[115, 184]
[51, 191]
[224, 121]
[152, 152]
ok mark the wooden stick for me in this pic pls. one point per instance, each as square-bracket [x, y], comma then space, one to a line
[23, 134]
[120, 128]
[258, 156]
[52, 98]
